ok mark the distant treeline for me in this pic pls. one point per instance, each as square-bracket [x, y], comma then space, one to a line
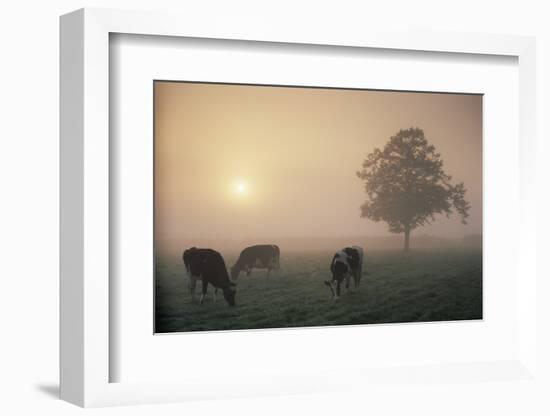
[289, 244]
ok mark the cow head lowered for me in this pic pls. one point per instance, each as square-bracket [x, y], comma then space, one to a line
[259, 256]
[208, 266]
[345, 264]
[229, 292]
[340, 271]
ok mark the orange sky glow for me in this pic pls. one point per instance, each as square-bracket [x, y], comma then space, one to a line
[253, 162]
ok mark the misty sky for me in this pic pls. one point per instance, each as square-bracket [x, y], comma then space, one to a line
[242, 162]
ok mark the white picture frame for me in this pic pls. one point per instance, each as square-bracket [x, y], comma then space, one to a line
[85, 214]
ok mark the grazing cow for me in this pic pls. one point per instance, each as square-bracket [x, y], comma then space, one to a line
[193, 274]
[207, 265]
[258, 257]
[346, 263]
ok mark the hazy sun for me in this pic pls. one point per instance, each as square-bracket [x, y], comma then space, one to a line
[240, 188]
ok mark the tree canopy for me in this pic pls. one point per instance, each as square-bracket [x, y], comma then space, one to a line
[406, 185]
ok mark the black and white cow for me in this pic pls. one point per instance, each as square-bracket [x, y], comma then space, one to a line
[345, 264]
[257, 257]
[208, 266]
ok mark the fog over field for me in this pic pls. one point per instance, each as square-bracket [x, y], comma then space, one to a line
[323, 244]
[237, 166]
[240, 164]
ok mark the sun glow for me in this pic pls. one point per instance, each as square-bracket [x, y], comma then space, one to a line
[240, 188]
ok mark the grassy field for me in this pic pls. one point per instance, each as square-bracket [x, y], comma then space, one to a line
[396, 287]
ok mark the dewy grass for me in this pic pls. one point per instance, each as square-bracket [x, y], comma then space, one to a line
[395, 287]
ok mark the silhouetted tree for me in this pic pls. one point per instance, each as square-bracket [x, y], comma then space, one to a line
[406, 185]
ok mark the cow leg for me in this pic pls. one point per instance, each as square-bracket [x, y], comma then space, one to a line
[329, 284]
[347, 281]
[215, 294]
[192, 286]
[337, 289]
[204, 289]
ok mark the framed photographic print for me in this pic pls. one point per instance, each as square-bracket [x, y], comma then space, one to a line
[263, 193]
[268, 193]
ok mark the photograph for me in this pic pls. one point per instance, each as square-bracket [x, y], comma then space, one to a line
[304, 206]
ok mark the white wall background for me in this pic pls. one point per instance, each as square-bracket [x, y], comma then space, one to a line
[29, 209]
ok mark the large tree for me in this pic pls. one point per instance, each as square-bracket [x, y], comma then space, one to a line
[406, 185]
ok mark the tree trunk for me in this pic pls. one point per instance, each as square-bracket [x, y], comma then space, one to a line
[407, 238]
